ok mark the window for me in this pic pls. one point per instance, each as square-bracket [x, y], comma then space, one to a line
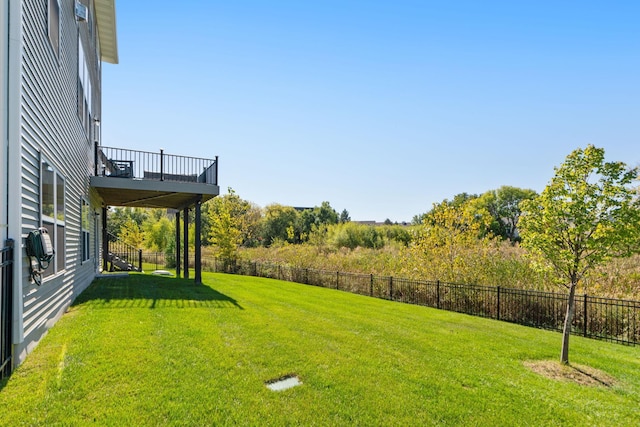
[85, 234]
[52, 191]
[53, 17]
[84, 90]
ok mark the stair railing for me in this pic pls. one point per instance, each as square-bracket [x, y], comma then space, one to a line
[129, 256]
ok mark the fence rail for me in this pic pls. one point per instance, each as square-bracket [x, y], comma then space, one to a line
[601, 318]
[124, 163]
[6, 304]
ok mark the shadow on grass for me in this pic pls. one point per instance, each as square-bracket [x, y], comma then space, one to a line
[146, 291]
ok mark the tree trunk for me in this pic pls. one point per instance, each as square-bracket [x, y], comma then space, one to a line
[568, 320]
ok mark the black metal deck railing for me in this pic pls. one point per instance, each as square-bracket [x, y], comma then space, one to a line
[124, 163]
[6, 304]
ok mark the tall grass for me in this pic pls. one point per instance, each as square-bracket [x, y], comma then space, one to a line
[497, 264]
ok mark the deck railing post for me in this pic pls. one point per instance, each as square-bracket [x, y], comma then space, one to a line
[216, 183]
[95, 158]
[161, 164]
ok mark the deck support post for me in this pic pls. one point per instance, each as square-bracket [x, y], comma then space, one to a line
[198, 243]
[186, 242]
[178, 260]
[105, 241]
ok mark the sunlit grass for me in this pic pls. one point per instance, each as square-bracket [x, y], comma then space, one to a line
[147, 350]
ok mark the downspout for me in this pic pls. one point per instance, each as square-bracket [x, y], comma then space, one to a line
[4, 111]
[14, 163]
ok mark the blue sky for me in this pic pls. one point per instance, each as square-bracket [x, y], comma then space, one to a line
[379, 107]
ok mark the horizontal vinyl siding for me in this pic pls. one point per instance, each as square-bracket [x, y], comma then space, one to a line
[51, 129]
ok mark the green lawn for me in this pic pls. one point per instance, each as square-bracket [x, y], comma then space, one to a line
[148, 350]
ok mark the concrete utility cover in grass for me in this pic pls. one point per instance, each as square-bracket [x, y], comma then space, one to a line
[283, 383]
[162, 273]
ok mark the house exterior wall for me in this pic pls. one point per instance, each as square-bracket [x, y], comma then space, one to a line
[48, 127]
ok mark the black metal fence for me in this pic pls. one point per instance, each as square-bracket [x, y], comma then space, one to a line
[6, 305]
[606, 319]
[124, 163]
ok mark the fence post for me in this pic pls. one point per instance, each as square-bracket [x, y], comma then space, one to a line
[438, 294]
[371, 286]
[337, 280]
[498, 308]
[140, 259]
[391, 287]
[585, 315]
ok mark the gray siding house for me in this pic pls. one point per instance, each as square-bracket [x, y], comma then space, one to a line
[54, 171]
[51, 75]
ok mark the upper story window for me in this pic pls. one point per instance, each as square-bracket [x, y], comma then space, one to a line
[52, 213]
[53, 18]
[84, 90]
[89, 19]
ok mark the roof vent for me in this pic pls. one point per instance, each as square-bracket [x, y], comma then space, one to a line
[82, 13]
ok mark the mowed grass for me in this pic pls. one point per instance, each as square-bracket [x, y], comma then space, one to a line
[147, 350]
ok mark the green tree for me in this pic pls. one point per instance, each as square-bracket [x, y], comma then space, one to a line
[278, 224]
[344, 216]
[234, 222]
[417, 219]
[504, 206]
[587, 214]
[117, 217]
[251, 225]
[225, 228]
[131, 234]
[316, 219]
[458, 201]
[398, 233]
[446, 236]
[159, 231]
